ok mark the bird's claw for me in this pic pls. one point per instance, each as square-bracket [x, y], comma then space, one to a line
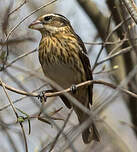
[42, 96]
[73, 88]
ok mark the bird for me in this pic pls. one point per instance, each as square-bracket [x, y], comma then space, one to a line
[63, 58]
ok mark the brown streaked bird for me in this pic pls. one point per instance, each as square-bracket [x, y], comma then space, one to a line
[63, 58]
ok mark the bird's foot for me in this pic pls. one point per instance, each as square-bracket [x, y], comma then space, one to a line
[42, 95]
[73, 88]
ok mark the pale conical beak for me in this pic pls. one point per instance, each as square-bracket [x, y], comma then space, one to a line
[36, 25]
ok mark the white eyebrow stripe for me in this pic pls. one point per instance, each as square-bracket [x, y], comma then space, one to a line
[56, 15]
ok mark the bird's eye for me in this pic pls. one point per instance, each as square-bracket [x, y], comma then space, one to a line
[47, 18]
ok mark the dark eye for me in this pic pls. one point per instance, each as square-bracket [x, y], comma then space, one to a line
[47, 18]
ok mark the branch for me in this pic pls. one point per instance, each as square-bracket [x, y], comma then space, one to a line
[14, 109]
[91, 82]
[19, 57]
[122, 51]
[18, 91]
[16, 9]
[132, 9]
[58, 93]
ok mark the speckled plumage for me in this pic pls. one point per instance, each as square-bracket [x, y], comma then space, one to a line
[57, 61]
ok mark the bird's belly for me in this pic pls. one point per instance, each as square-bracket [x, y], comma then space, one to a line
[63, 74]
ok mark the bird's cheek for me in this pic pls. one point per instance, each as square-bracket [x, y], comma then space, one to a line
[50, 28]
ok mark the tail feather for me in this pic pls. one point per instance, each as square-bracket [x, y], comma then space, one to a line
[90, 134]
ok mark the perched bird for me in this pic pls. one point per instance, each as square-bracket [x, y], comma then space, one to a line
[63, 58]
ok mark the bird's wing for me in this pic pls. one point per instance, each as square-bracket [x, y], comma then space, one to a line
[86, 64]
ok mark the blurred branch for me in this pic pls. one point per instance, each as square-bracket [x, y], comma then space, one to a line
[131, 34]
[129, 28]
[16, 9]
[132, 9]
[5, 25]
[19, 57]
[113, 7]
[15, 41]
[6, 18]
[18, 83]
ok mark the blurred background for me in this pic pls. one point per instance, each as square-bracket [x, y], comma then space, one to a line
[102, 24]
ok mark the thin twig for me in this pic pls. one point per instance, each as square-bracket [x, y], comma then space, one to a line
[17, 40]
[17, 90]
[12, 105]
[23, 3]
[122, 51]
[116, 47]
[103, 71]
[24, 136]
[14, 109]
[19, 57]
[102, 47]
[110, 98]
[108, 43]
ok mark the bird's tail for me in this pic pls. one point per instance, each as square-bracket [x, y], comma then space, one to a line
[90, 133]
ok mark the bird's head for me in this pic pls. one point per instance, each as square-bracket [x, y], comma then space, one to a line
[51, 23]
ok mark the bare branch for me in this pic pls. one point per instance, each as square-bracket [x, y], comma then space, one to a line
[16, 9]
[122, 51]
[14, 109]
[132, 9]
[19, 57]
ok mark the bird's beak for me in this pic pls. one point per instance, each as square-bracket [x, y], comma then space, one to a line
[36, 25]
